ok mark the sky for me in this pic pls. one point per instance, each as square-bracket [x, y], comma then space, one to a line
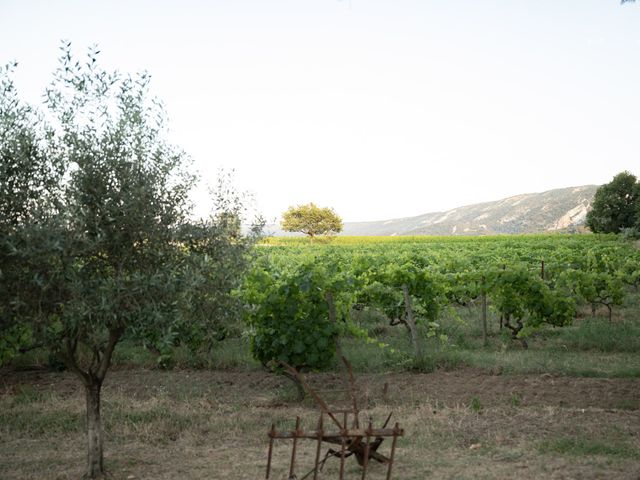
[378, 109]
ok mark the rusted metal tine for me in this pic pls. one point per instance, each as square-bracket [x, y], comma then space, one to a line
[293, 451]
[343, 441]
[367, 446]
[393, 450]
[387, 420]
[319, 446]
[323, 406]
[363, 443]
[272, 434]
[352, 392]
[348, 433]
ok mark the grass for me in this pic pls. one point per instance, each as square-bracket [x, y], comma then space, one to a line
[35, 421]
[581, 446]
[598, 335]
[198, 424]
[475, 405]
[592, 347]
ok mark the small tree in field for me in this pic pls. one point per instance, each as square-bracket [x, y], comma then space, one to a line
[311, 220]
[113, 252]
[289, 316]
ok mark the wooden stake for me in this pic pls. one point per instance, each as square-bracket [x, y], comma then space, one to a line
[484, 313]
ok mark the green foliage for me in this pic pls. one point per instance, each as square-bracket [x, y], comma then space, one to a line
[616, 205]
[111, 251]
[529, 301]
[596, 288]
[598, 335]
[29, 171]
[475, 405]
[443, 273]
[462, 288]
[114, 253]
[289, 315]
[311, 220]
[629, 271]
[29, 187]
[582, 445]
[13, 340]
[381, 287]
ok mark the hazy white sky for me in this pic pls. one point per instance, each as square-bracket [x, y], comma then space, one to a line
[379, 109]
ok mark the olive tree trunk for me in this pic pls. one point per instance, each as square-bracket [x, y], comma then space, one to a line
[92, 379]
[95, 463]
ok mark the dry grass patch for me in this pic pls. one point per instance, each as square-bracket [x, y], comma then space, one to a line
[212, 425]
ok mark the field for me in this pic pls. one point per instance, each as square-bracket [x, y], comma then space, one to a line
[568, 406]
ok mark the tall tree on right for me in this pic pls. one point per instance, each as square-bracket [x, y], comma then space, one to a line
[616, 205]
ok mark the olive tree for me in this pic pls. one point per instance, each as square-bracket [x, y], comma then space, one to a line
[118, 253]
[29, 191]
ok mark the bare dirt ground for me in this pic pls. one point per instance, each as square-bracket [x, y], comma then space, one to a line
[212, 425]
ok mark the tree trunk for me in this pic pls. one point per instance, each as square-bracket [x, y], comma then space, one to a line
[95, 464]
[417, 347]
[610, 313]
[92, 380]
[515, 330]
[300, 391]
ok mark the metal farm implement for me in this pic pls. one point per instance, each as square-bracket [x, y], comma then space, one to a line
[345, 431]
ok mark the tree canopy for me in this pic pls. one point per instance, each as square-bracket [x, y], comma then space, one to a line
[96, 241]
[616, 205]
[311, 220]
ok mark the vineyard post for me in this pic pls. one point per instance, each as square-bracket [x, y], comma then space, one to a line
[484, 313]
[504, 267]
[334, 320]
[542, 269]
[411, 323]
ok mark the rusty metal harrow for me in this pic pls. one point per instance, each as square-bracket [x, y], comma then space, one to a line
[362, 443]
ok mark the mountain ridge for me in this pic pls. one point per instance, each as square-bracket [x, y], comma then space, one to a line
[557, 210]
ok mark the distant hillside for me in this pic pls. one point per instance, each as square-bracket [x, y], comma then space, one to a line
[559, 210]
[563, 209]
